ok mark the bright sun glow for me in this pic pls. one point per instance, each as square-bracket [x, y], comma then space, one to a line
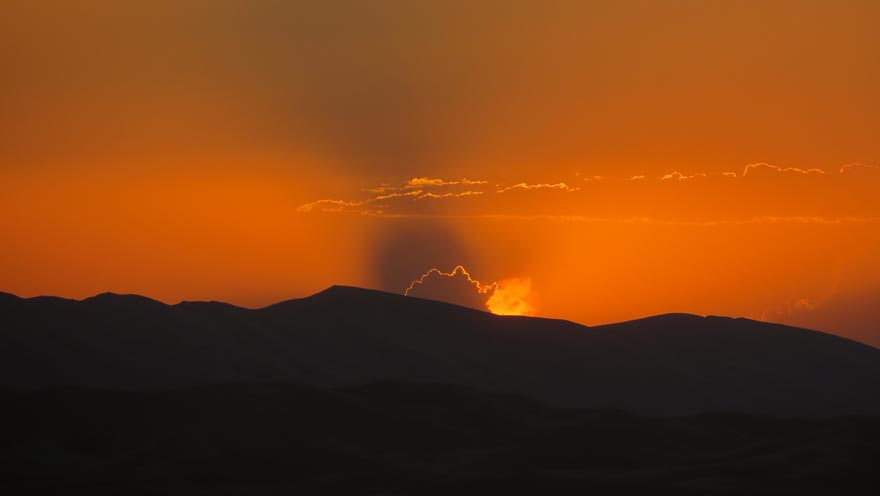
[512, 297]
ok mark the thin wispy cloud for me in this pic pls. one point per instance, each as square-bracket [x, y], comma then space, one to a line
[753, 168]
[759, 180]
[525, 186]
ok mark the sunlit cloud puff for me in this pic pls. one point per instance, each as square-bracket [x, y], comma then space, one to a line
[505, 297]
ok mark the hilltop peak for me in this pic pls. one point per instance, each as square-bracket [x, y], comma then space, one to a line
[350, 292]
[117, 298]
[8, 296]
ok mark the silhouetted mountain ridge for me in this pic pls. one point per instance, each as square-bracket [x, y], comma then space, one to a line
[345, 336]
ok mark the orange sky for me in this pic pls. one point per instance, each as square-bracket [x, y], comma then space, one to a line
[600, 161]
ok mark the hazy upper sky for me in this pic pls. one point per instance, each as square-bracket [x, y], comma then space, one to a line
[595, 161]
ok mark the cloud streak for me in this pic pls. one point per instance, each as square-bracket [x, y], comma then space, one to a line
[848, 168]
[413, 189]
[524, 186]
[421, 182]
[448, 195]
[678, 176]
[754, 168]
[766, 191]
[329, 205]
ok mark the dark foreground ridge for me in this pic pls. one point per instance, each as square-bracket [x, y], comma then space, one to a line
[395, 438]
[666, 365]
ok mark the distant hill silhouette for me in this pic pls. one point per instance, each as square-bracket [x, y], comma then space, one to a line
[668, 365]
[413, 439]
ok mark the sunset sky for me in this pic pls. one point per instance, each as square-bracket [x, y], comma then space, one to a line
[592, 161]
